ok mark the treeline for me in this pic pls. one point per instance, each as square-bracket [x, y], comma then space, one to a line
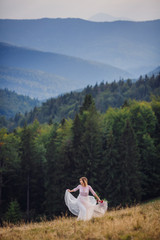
[105, 95]
[118, 151]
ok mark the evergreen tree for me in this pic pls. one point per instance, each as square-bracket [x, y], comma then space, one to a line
[13, 213]
[110, 173]
[77, 129]
[129, 172]
[51, 175]
[38, 178]
[91, 148]
[27, 167]
[87, 142]
[65, 163]
[150, 168]
[156, 109]
[9, 168]
[88, 102]
[155, 104]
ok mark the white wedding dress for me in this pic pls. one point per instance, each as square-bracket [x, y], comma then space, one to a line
[84, 206]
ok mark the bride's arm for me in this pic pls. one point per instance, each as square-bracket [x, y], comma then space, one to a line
[70, 190]
[74, 189]
[93, 192]
[97, 197]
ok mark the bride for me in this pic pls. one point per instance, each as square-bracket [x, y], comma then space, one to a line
[84, 206]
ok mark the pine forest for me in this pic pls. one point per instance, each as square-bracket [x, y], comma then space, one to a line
[116, 146]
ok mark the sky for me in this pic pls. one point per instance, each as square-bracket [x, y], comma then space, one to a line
[137, 10]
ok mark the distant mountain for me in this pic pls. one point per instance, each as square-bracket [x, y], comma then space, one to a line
[132, 46]
[104, 17]
[34, 83]
[43, 74]
[12, 103]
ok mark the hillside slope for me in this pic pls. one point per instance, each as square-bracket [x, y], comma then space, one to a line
[139, 222]
[105, 95]
[34, 83]
[12, 103]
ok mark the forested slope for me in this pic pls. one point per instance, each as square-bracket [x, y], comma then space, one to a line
[105, 95]
[12, 103]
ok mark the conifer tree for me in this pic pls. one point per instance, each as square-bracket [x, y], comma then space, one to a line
[13, 213]
[27, 166]
[110, 170]
[150, 168]
[38, 178]
[9, 168]
[129, 172]
[77, 130]
[87, 145]
[88, 102]
[51, 175]
[64, 164]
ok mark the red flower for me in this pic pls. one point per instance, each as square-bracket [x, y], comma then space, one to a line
[101, 201]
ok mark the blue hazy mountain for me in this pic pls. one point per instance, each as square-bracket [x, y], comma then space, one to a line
[133, 46]
[154, 72]
[43, 74]
[33, 83]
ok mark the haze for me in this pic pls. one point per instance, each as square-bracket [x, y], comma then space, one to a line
[31, 9]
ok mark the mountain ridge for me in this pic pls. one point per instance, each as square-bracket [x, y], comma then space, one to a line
[72, 73]
[104, 17]
[124, 44]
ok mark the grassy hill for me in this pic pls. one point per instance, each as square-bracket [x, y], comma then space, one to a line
[139, 223]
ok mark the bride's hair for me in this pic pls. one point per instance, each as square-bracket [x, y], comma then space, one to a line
[84, 180]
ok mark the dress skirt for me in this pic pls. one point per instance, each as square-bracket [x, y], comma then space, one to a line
[85, 207]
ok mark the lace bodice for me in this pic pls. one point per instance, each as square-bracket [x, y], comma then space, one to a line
[84, 191]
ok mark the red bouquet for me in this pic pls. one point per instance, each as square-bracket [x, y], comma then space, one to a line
[101, 201]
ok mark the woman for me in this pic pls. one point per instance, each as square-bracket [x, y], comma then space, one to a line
[84, 206]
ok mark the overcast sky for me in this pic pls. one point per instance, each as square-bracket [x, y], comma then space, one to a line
[133, 9]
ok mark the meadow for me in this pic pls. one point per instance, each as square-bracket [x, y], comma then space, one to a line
[140, 222]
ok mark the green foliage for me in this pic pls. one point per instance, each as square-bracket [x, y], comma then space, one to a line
[150, 167]
[9, 167]
[118, 151]
[129, 171]
[13, 105]
[105, 95]
[13, 214]
[88, 156]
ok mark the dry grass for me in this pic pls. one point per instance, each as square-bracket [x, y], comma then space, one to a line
[139, 223]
